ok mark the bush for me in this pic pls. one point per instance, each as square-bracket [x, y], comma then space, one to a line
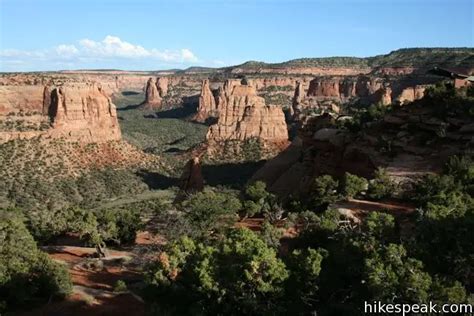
[238, 275]
[108, 225]
[120, 287]
[118, 225]
[271, 234]
[353, 185]
[381, 186]
[259, 200]
[26, 274]
[210, 210]
[323, 192]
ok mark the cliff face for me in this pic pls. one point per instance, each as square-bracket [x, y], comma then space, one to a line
[79, 112]
[396, 143]
[367, 89]
[243, 115]
[83, 112]
[207, 104]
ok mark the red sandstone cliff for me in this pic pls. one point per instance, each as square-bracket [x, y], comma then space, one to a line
[79, 112]
[243, 115]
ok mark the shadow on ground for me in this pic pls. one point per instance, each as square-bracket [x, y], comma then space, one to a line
[234, 175]
[156, 181]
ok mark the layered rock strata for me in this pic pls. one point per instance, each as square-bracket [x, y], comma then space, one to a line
[243, 115]
[78, 112]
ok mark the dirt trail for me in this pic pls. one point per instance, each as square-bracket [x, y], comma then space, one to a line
[93, 283]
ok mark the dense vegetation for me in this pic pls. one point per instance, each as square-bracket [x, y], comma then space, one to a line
[333, 266]
[27, 275]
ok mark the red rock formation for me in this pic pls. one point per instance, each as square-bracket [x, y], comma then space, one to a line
[207, 104]
[383, 96]
[243, 115]
[152, 95]
[46, 99]
[191, 180]
[411, 94]
[324, 88]
[78, 112]
[344, 88]
[296, 106]
[83, 112]
[162, 85]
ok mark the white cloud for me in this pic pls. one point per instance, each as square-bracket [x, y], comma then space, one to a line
[109, 50]
[66, 50]
[112, 46]
[188, 55]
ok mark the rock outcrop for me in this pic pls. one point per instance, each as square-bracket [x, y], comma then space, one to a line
[411, 94]
[191, 179]
[207, 104]
[383, 96]
[324, 88]
[155, 90]
[46, 99]
[395, 143]
[162, 84]
[152, 96]
[83, 112]
[243, 115]
[297, 102]
[78, 112]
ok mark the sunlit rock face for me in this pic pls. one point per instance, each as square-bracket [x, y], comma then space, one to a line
[76, 111]
[207, 104]
[243, 115]
[155, 90]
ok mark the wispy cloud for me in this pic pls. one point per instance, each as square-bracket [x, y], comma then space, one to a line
[87, 51]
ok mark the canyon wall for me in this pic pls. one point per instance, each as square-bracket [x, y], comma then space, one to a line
[76, 111]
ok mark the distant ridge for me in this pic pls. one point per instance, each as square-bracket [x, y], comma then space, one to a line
[422, 57]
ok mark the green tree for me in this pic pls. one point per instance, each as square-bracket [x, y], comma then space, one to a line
[26, 274]
[353, 185]
[381, 186]
[305, 265]
[208, 211]
[323, 191]
[238, 274]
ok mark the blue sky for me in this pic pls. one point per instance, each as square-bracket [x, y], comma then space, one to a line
[149, 35]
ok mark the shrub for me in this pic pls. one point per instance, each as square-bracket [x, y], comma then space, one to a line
[120, 287]
[381, 186]
[210, 210]
[271, 234]
[26, 273]
[353, 185]
[323, 191]
[238, 274]
[118, 225]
